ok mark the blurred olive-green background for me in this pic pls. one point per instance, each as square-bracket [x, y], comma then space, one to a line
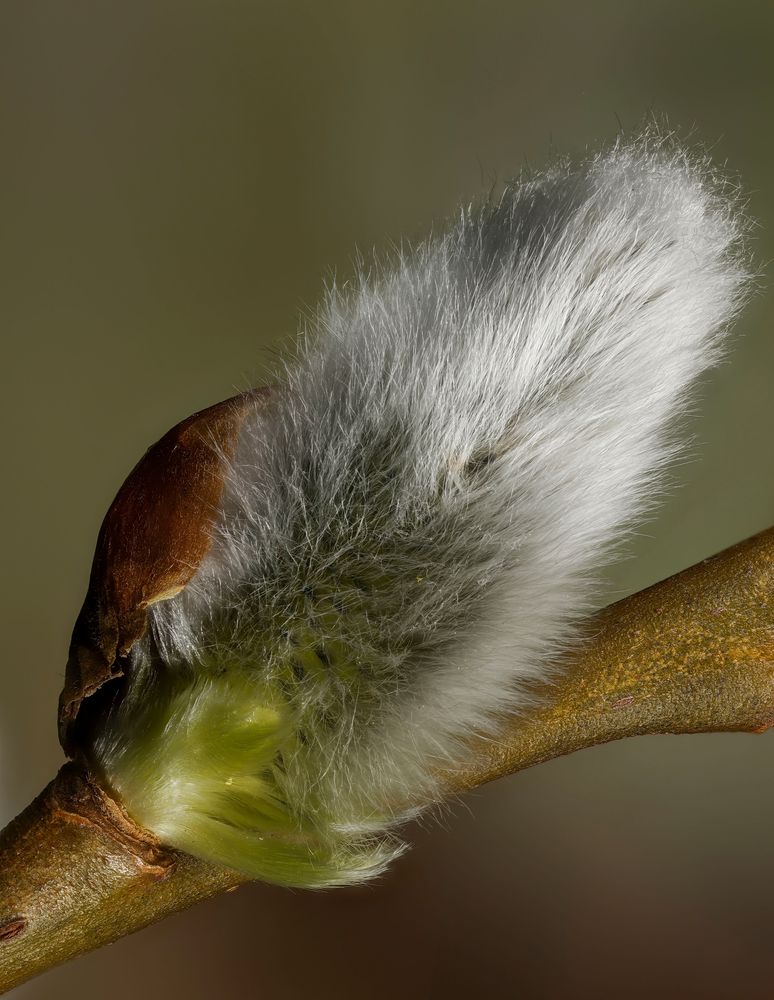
[177, 179]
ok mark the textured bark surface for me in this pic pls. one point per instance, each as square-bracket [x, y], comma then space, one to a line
[694, 653]
[77, 873]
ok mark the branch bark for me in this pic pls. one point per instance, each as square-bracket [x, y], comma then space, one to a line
[694, 653]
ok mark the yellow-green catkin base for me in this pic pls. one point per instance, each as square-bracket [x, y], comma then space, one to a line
[203, 764]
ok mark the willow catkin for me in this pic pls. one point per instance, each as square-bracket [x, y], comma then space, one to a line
[410, 530]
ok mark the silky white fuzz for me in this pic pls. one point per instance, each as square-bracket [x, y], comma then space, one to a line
[411, 528]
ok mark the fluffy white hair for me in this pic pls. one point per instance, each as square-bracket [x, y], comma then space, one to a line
[412, 525]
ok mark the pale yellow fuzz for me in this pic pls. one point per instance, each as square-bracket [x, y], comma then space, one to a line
[203, 768]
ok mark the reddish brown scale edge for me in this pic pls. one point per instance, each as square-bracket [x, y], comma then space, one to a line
[151, 543]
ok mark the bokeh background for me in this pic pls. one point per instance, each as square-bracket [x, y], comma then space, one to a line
[177, 179]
